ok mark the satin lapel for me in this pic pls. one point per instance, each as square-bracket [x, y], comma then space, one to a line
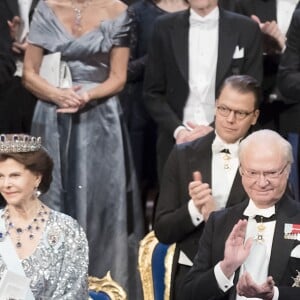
[201, 157]
[281, 248]
[180, 42]
[237, 192]
[13, 7]
[228, 40]
[265, 10]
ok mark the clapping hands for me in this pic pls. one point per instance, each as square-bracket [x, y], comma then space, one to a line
[201, 194]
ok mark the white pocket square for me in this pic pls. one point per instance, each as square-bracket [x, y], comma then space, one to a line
[296, 252]
[238, 53]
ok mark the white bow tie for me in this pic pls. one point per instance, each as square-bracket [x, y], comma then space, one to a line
[218, 147]
[199, 21]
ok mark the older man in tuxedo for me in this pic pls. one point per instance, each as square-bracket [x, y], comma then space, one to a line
[201, 176]
[190, 54]
[260, 257]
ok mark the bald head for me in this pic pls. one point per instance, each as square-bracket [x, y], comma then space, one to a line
[265, 163]
[266, 140]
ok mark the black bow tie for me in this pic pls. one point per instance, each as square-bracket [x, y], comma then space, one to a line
[225, 151]
[262, 219]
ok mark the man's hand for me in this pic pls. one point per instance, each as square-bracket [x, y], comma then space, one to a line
[236, 251]
[271, 29]
[201, 195]
[196, 131]
[14, 27]
[248, 288]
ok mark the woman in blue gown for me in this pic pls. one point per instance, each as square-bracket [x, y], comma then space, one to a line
[83, 129]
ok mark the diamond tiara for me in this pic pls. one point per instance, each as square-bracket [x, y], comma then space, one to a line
[18, 143]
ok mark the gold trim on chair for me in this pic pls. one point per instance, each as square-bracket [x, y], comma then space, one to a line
[147, 246]
[107, 285]
[168, 270]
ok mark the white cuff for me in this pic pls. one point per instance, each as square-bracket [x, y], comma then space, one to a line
[176, 131]
[196, 216]
[276, 293]
[224, 283]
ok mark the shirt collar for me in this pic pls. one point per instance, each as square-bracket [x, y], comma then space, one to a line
[218, 145]
[210, 18]
[252, 210]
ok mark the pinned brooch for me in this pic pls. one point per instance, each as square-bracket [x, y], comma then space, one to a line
[292, 231]
[54, 237]
[296, 280]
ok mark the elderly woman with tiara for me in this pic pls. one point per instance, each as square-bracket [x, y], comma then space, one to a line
[43, 253]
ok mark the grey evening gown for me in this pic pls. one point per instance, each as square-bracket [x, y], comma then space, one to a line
[93, 179]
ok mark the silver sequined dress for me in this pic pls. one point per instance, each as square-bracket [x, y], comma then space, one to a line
[58, 267]
[94, 179]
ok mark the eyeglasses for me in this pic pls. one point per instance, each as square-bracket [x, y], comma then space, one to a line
[239, 114]
[266, 174]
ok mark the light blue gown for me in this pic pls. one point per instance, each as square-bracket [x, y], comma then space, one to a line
[94, 179]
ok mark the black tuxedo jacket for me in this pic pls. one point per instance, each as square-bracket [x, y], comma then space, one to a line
[172, 220]
[289, 76]
[7, 64]
[200, 282]
[271, 112]
[12, 8]
[166, 85]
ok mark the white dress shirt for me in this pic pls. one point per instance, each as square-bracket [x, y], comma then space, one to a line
[285, 9]
[222, 179]
[203, 54]
[251, 211]
[24, 9]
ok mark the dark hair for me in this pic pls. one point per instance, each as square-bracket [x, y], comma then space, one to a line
[38, 162]
[243, 84]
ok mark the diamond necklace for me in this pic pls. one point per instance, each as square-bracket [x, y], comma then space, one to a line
[33, 227]
[77, 26]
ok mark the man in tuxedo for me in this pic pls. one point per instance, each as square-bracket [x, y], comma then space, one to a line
[7, 64]
[274, 18]
[17, 104]
[258, 257]
[190, 54]
[289, 77]
[201, 176]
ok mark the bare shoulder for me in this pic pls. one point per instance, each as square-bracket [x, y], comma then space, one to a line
[54, 4]
[116, 8]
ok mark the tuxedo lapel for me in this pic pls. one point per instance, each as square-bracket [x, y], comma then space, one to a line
[265, 10]
[200, 159]
[237, 193]
[13, 7]
[281, 247]
[180, 41]
[228, 40]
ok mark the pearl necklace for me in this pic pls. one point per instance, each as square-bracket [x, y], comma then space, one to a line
[77, 26]
[32, 228]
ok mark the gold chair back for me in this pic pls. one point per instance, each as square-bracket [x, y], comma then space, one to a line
[107, 285]
[146, 251]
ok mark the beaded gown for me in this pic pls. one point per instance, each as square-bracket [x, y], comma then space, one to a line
[94, 179]
[57, 269]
